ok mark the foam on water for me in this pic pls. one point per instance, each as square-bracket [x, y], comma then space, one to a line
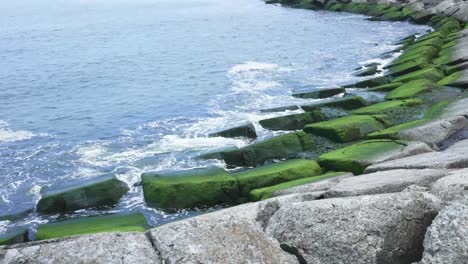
[9, 135]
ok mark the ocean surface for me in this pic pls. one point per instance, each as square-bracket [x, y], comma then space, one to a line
[118, 87]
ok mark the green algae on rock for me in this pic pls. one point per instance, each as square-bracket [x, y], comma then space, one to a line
[275, 174]
[18, 235]
[409, 66]
[99, 192]
[367, 71]
[357, 157]
[456, 80]
[345, 102]
[385, 87]
[189, 188]
[292, 122]
[266, 192]
[411, 89]
[432, 74]
[247, 131]
[368, 83]
[382, 108]
[92, 225]
[348, 128]
[320, 93]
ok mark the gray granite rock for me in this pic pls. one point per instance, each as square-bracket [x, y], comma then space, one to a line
[453, 187]
[98, 248]
[384, 182]
[455, 157]
[385, 228]
[446, 239]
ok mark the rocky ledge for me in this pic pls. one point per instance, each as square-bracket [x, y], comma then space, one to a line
[301, 202]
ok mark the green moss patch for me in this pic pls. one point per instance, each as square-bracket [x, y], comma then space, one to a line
[266, 192]
[432, 74]
[411, 89]
[425, 52]
[357, 157]
[369, 83]
[348, 128]
[384, 107]
[247, 131]
[433, 42]
[292, 122]
[347, 103]
[385, 87]
[15, 236]
[409, 66]
[320, 93]
[453, 80]
[92, 225]
[275, 174]
[367, 71]
[189, 188]
[444, 57]
[99, 192]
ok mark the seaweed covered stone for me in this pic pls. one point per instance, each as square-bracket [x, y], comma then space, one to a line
[431, 74]
[91, 225]
[348, 128]
[408, 66]
[189, 188]
[345, 102]
[98, 192]
[457, 79]
[411, 89]
[384, 107]
[17, 235]
[317, 93]
[279, 147]
[276, 173]
[247, 131]
[292, 122]
[385, 87]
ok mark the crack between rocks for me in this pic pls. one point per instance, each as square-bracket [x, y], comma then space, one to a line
[153, 245]
[293, 251]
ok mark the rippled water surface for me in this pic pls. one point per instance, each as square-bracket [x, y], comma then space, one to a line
[103, 87]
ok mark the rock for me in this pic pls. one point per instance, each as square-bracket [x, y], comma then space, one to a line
[455, 157]
[446, 240]
[227, 236]
[435, 42]
[98, 192]
[247, 131]
[275, 174]
[387, 107]
[409, 66]
[453, 187]
[128, 248]
[357, 157]
[431, 74]
[425, 52]
[385, 87]
[320, 93]
[279, 147]
[348, 128]
[17, 235]
[368, 83]
[189, 188]
[292, 122]
[91, 225]
[385, 228]
[367, 71]
[411, 89]
[347, 102]
[457, 79]
[455, 68]
[384, 182]
[304, 185]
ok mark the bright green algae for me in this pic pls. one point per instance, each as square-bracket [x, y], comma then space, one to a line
[382, 108]
[356, 158]
[408, 66]
[451, 79]
[266, 192]
[348, 128]
[275, 173]
[432, 74]
[91, 225]
[411, 89]
[385, 87]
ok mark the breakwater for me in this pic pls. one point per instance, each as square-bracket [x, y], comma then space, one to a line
[407, 150]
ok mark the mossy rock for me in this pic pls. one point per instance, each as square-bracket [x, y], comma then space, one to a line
[357, 157]
[411, 89]
[455, 68]
[189, 189]
[424, 52]
[348, 128]
[456, 80]
[247, 131]
[368, 83]
[404, 41]
[267, 192]
[408, 67]
[449, 25]
[431, 74]
[433, 42]
[393, 16]
[378, 9]
[385, 87]
[292, 122]
[420, 17]
[346, 102]
[99, 192]
[336, 7]
[320, 93]
[91, 225]
[275, 174]
[367, 71]
[444, 57]
[384, 107]
[18, 235]
[433, 34]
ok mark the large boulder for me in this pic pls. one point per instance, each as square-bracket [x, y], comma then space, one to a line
[446, 240]
[320, 93]
[348, 128]
[457, 79]
[98, 192]
[357, 157]
[91, 225]
[292, 122]
[453, 187]
[247, 131]
[189, 188]
[411, 89]
[431, 74]
[385, 228]
[387, 107]
[384, 182]
[17, 235]
[346, 102]
[128, 248]
[455, 157]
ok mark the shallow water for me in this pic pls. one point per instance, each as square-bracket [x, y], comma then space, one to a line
[100, 87]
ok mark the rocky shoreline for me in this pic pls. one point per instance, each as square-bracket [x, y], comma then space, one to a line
[363, 181]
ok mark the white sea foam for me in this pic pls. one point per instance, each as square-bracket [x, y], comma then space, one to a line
[3, 226]
[9, 135]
